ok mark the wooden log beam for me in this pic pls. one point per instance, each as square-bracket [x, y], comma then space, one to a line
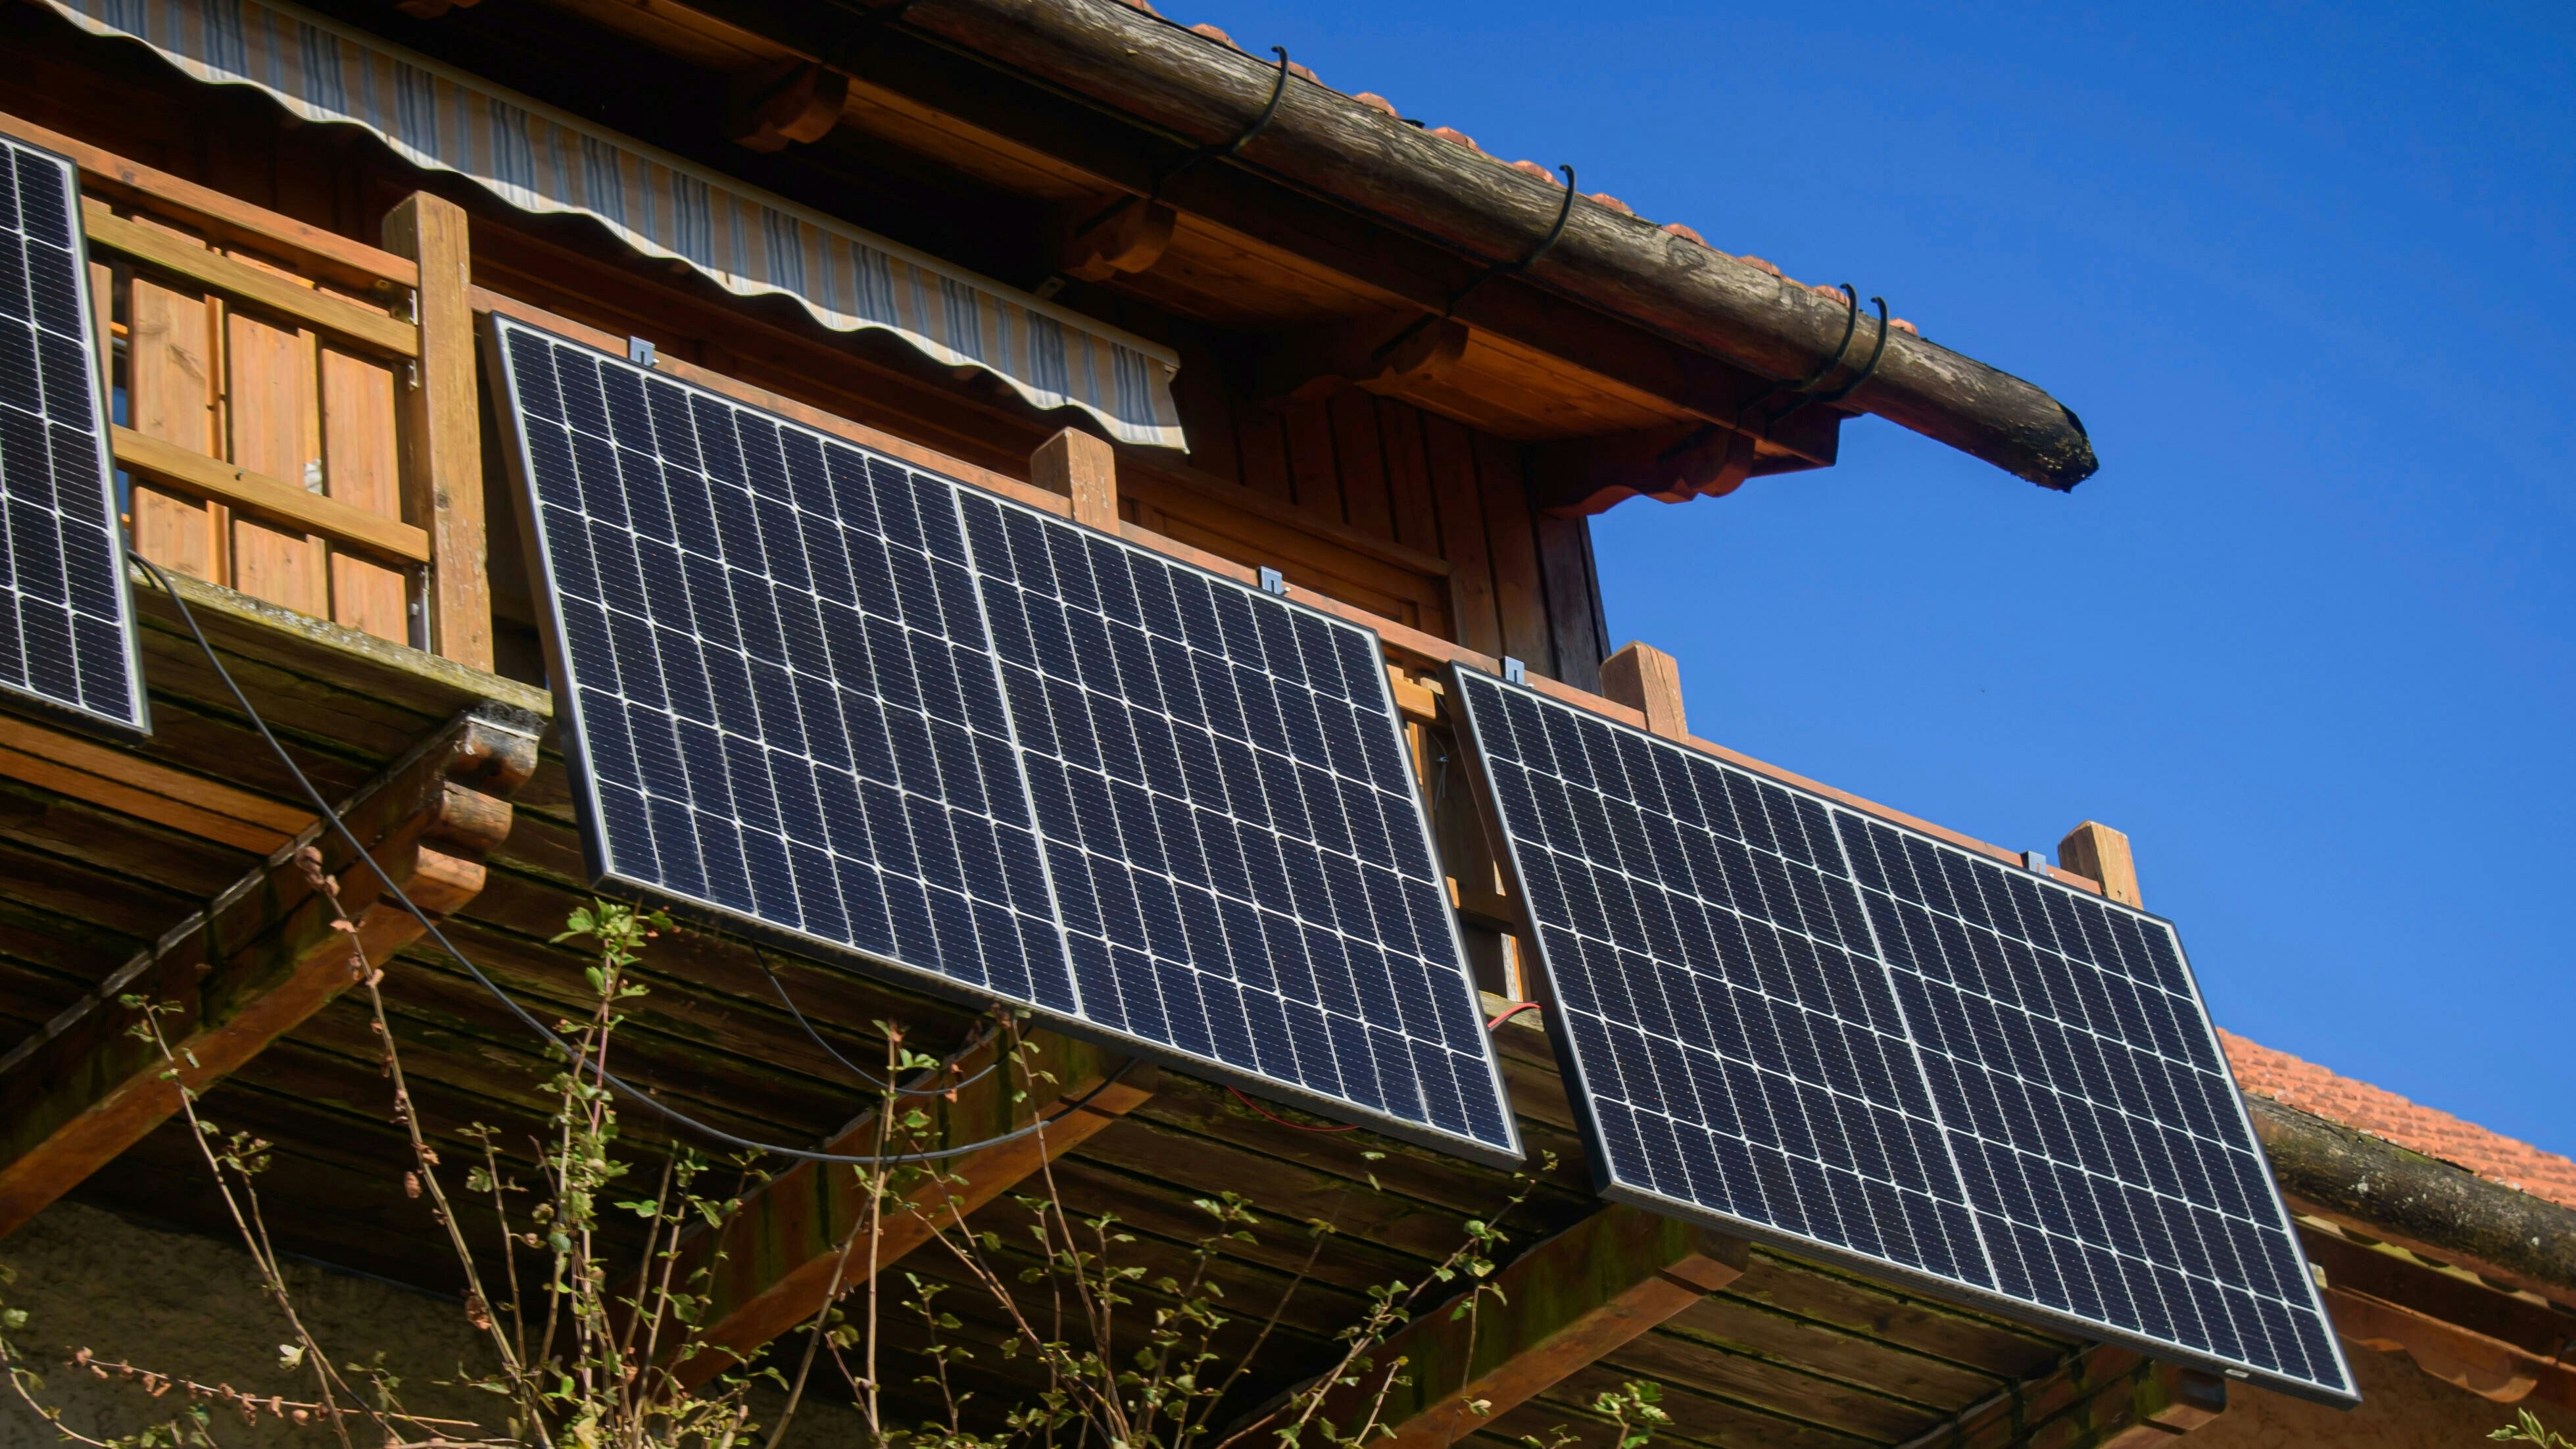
[262, 959]
[1132, 63]
[1565, 1303]
[2344, 1176]
[772, 1264]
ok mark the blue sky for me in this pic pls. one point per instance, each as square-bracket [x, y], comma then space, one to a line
[2310, 636]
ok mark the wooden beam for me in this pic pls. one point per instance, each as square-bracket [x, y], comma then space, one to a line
[253, 966]
[1565, 1303]
[2096, 850]
[275, 498]
[1648, 680]
[772, 1264]
[2461, 1357]
[121, 780]
[2104, 1398]
[271, 290]
[775, 106]
[442, 429]
[1084, 468]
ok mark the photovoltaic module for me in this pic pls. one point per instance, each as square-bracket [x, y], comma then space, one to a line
[67, 637]
[817, 691]
[1781, 1015]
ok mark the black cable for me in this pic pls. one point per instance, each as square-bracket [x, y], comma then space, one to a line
[853, 1068]
[322, 809]
[1211, 152]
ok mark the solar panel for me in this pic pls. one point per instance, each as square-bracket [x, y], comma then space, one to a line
[67, 638]
[1784, 1016]
[815, 691]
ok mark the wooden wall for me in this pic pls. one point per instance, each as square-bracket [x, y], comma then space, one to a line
[1402, 512]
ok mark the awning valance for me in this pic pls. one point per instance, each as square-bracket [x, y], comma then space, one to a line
[749, 241]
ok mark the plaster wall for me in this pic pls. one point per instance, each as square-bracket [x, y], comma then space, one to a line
[184, 1304]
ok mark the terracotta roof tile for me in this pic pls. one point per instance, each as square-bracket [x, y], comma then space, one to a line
[2382, 1113]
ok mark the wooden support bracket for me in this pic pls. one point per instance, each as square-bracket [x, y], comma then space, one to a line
[442, 430]
[1083, 468]
[1583, 476]
[1132, 239]
[1647, 679]
[773, 1263]
[2096, 850]
[773, 107]
[1565, 1303]
[254, 965]
[1311, 364]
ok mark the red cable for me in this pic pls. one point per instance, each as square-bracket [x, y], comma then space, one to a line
[1515, 1009]
[1284, 1122]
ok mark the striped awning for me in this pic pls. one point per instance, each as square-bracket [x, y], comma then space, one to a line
[749, 241]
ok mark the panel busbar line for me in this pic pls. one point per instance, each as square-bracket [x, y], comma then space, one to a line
[67, 631]
[1782, 1015]
[813, 691]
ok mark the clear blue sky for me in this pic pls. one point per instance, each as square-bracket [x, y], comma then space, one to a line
[2307, 273]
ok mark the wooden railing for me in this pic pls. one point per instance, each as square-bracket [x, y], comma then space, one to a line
[293, 412]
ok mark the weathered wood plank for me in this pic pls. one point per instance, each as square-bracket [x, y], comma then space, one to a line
[1519, 597]
[89, 1089]
[221, 273]
[248, 488]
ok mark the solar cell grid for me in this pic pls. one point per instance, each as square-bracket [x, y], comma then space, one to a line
[1781, 1013]
[66, 622]
[822, 693]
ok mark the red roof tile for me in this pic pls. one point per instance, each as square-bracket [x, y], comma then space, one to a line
[2382, 1113]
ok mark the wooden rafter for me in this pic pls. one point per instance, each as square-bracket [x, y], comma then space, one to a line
[263, 958]
[1565, 1303]
[775, 1262]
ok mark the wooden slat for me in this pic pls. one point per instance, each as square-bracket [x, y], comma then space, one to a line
[136, 785]
[244, 489]
[1314, 475]
[1408, 476]
[240, 279]
[362, 467]
[88, 1089]
[1361, 458]
[774, 1261]
[1574, 621]
[270, 399]
[1564, 1304]
[442, 429]
[171, 380]
[1462, 536]
[1519, 596]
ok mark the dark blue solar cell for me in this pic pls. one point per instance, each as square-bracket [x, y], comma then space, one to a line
[1866, 1040]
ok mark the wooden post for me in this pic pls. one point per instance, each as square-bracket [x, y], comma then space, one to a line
[2096, 850]
[253, 968]
[1084, 469]
[1565, 1304]
[442, 429]
[1644, 677]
